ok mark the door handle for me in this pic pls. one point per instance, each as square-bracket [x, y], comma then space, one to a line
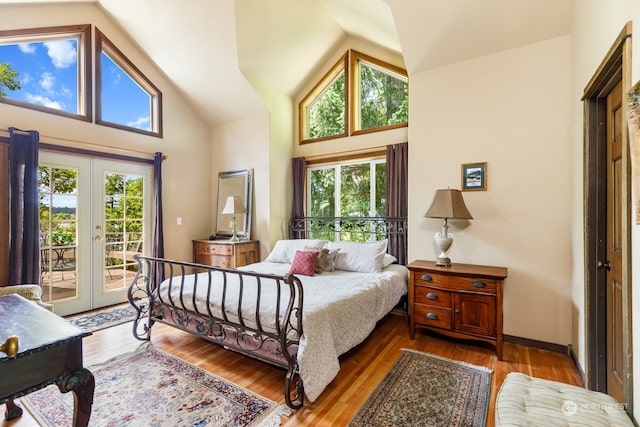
[606, 265]
[98, 238]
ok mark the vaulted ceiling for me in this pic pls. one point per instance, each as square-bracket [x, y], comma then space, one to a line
[212, 49]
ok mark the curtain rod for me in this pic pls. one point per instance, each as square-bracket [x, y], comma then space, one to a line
[97, 151]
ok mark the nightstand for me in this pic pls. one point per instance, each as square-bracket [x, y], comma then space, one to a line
[461, 301]
[223, 253]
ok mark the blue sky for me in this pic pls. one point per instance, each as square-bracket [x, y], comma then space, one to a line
[48, 74]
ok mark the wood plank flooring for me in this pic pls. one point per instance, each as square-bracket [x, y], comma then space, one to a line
[361, 369]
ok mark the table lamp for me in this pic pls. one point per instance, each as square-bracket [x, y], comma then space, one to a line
[447, 204]
[234, 206]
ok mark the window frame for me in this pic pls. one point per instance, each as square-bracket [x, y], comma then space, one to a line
[341, 66]
[103, 44]
[349, 62]
[84, 81]
[354, 116]
[336, 162]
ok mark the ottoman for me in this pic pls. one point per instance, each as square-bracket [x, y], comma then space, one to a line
[527, 401]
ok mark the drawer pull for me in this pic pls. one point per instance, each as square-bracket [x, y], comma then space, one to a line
[479, 284]
[431, 295]
[426, 278]
[432, 316]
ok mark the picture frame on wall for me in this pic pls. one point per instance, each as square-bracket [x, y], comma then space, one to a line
[474, 176]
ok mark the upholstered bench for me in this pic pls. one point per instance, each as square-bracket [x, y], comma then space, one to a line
[527, 401]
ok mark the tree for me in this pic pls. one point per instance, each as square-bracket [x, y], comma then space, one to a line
[8, 78]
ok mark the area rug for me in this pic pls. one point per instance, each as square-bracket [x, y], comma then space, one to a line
[97, 320]
[152, 388]
[422, 389]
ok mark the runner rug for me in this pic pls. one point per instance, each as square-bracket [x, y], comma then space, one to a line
[153, 388]
[101, 319]
[422, 389]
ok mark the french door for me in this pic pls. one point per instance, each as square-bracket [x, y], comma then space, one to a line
[94, 216]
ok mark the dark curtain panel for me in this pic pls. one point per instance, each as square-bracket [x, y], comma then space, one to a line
[24, 216]
[397, 197]
[157, 248]
[299, 172]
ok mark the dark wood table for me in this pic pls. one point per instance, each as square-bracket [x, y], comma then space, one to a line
[49, 352]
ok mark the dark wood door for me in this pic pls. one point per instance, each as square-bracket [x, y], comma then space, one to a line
[475, 314]
[614, 251]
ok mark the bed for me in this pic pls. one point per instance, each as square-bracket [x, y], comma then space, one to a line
[317, 295]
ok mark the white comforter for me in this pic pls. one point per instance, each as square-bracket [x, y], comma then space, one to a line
[340, 310]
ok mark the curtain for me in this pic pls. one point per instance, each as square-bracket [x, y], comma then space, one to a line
[299, 172]
[397, 197]
[157, 248]
[24, 211]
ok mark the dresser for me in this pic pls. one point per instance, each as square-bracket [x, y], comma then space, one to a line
[223, 253]
[461, 301]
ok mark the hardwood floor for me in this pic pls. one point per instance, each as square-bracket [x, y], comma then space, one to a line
[361, 369]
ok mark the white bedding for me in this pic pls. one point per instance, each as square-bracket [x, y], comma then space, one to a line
[340, 309]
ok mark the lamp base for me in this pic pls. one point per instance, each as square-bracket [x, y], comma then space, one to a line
[234, 239]
[443, 262]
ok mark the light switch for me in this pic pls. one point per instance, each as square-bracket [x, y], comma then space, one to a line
[179, 220]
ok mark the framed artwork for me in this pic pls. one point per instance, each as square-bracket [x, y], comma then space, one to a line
[474, 176]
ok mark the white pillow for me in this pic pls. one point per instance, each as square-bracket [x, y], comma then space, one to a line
[387, 260]
[285, 250]
[366, 257]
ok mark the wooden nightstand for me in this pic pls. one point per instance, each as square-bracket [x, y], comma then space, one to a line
[223, 253]
[462, 301]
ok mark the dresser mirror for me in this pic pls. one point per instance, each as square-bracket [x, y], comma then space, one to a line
[234, 183]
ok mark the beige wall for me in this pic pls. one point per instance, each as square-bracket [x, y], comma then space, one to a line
[596, 26]
[510, 110]
[186, 141]
[244, 144]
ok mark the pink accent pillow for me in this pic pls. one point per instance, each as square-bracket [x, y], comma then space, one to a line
[304, 262]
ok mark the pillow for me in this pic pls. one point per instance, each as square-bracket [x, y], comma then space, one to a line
[326, 258]
[329, 260]
[304, 262]
[387, 260]
[285, 250]
[366, 257]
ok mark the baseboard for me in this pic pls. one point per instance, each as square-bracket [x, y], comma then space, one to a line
[576, 363]
[543, 345]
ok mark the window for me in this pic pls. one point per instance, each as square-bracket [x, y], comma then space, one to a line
[47, 69]
[360, 94]
[323, 112]
[125, 98]
[382, 98]
[355, 189]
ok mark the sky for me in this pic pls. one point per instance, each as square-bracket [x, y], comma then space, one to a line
[48, 74]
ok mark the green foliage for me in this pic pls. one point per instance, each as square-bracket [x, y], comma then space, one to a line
[326, 115]
[354, 192]
[8, 78]
[384, 98]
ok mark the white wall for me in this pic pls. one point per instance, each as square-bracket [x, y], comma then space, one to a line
[511, 110]
[596, 27]
[186, 141]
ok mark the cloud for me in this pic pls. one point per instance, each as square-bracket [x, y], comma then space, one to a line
[27, 47]
[116, 75]
[140, 123]
[66, 92]
[47, 82]
[62, 53]
[43, 100]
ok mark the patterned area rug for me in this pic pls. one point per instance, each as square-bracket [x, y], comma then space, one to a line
[152, 388]
[102, 319]
[426, 390]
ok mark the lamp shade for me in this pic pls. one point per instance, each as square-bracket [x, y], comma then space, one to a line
[448, 204]
[234, 205]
